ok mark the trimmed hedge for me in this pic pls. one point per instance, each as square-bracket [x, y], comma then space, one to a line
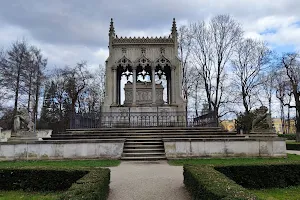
[38, 179]
[94, 185]
[293, 146]
[77, 184]
[288, 136]
[263, 176]
[206, 183]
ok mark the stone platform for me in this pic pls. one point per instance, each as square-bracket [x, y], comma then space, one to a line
[184, 142]
[146, 144]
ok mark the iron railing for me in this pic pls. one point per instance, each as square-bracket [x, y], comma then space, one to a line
[138, 119]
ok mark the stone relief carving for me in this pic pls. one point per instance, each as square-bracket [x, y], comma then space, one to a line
[143, 94]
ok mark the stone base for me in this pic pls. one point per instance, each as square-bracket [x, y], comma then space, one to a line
[23, 136]
[70, 149]
[243, 147]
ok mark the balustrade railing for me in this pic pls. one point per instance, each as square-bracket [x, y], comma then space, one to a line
[138, 119]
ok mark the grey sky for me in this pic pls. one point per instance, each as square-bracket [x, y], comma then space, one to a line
[69, 31]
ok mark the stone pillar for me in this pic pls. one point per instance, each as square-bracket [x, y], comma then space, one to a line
[134, 86]
[153, 86]
[115, 82]
[173, 84]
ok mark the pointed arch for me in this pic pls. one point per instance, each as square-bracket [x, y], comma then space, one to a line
[124, 62]
[143, 61]
[162, 61]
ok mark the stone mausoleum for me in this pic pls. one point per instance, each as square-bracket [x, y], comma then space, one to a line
[152, 70]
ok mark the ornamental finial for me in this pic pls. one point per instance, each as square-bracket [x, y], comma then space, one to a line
[174, 28]
[111, 28]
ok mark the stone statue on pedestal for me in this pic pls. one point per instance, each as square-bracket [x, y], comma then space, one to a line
[23, 126]
[23, 121]
[262, 121]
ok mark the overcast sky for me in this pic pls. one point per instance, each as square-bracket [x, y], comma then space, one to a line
[69, 31]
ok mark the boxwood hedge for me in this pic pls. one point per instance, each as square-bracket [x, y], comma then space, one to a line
[206, 183]
[76, 184]
[263, 176]
[288, 136]
[230, 182]
[94, 185]
[293, 146]
[38, 179]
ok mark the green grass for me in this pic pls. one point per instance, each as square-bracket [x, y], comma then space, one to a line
[235, 161]
[292, 142]
[16, 195]
[290, 193]
[73, 164]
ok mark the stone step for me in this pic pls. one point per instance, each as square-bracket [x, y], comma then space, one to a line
[143, 142]
[128, 150]
[137, 154]
[142, 136]
[144, 146]
[148, 132]
[145, 129]
[145, 158]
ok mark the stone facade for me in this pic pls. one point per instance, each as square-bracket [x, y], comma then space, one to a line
[154, 56]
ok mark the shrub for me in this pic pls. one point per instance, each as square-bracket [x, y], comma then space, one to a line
[204, 182]
[38, 179]
[293, 146]
[263, 176]
[94, 185]
[79, 184]
[288, 136]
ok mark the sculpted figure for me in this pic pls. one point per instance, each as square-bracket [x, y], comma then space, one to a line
[262, 121]
[23, 121]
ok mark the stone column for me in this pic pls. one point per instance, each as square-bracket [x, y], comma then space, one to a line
[173, 84]
[115, 82]
[153, 85]
[134, 86]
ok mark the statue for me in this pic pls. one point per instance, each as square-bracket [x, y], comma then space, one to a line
[262, 121]
[22, 121]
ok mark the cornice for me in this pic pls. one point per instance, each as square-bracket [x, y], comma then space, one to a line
[142, 40]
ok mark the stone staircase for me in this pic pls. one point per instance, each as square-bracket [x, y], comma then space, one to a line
[145, 143]
[143, 148]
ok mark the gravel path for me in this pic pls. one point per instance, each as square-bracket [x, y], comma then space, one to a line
[147, 181]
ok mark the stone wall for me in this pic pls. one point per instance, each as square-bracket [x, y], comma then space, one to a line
[184, 148]
[69, 149]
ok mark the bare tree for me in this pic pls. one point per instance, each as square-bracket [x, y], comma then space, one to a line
[76, 82]
[290, 62]
[184, 45]
[13, 67]
[213, 45]
[250, 60]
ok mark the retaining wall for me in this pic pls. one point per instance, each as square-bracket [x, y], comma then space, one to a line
[62, 149]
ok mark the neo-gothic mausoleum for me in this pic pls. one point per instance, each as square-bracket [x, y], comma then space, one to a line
[152, 72]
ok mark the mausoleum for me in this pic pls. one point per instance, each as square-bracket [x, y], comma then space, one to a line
[153, 73]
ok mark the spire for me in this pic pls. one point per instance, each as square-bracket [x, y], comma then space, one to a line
[111, 28]
[174, 28]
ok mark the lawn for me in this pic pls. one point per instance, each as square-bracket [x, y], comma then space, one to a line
[70, 164]
[235, 161]
[16, 195]
[290, 193]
